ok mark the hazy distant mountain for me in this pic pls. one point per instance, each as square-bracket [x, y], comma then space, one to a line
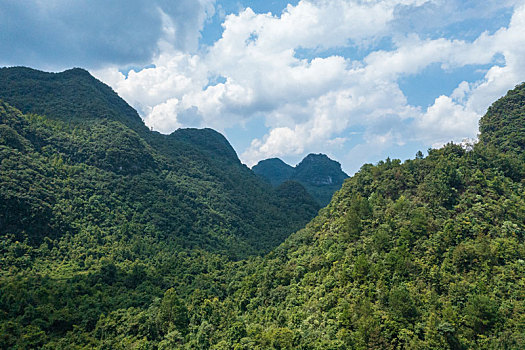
[320, 175]
[274, 170]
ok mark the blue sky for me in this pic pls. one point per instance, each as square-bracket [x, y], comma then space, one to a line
[358, 80]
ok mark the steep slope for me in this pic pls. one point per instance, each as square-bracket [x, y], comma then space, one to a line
[72, 96]
[320, 175]
[98, 214]
[87, 123]
[425, 254]
[422, 254]
[503, 126]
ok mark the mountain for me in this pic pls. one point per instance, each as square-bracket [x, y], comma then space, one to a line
[86, 123]
[502, 126]
[320, 175]
[72, 95]
[422, 254]
[98, 213]
[162, 253]
[274, 171]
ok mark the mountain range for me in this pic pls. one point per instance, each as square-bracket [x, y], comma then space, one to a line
[116, 237]
[76, 120]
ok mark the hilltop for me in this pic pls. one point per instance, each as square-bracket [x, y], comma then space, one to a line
[320, 175]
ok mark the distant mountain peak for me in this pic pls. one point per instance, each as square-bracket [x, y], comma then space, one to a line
[317, 156]
[320, 170]
[76, 71]
[320, 175]
[274, 160]
[274, 170]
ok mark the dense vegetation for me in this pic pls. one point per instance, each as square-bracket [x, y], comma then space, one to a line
[320, 175]
[100, 214]
[423, 254]
[274, 170]
[503, 126]
[72, 96]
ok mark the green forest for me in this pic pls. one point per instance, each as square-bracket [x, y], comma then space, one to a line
[113, 236]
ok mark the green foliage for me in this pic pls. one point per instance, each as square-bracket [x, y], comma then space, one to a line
[274, 171]
[107, 229]
[422, 254]
[165, 252]
[173, 314]
[72, 96]
[502, 126]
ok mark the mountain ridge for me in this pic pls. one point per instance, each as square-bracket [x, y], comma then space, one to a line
[62, 96]
[167, 252]
[320, 175]
[113, 138]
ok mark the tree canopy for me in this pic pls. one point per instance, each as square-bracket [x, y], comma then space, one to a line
[116, 237]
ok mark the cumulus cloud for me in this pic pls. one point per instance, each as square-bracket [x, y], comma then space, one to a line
[317, 103]
[457, 116]
[58, 34]
[446, 120]
[390, 120]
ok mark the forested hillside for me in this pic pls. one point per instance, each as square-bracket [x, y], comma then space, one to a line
[97, 213]
[423, 254]
[320, 175]
[114, 239]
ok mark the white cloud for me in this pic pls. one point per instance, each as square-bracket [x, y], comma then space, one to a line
[456, 117]
[161, 116]
[445, 121]
[173, 76]
[315, 105]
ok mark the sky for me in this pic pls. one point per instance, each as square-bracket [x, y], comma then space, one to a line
[358, 80]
